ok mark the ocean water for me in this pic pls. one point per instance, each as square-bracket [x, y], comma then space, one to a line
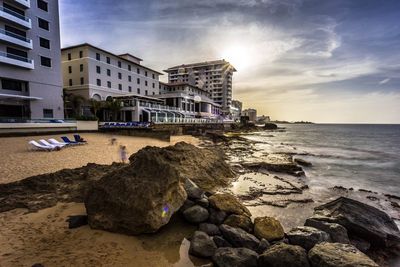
[358, 156]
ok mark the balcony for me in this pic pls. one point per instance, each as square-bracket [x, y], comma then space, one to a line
[15, 17]
[15, 60]
[15, 39]
[23, 3]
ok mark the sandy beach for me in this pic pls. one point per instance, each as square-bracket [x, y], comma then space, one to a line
[44, 237]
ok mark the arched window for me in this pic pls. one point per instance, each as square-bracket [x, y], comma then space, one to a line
[96, 97]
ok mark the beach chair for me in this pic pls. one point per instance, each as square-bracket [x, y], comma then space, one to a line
[38, 146]
[66, 140]
[79, 139]
[55, 142]
[44, 142]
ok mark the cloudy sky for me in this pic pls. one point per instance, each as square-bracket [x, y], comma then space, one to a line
[316, 60]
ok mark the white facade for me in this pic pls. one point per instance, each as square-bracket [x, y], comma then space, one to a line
[30, 71]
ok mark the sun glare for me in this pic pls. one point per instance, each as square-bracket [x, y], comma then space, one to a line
[238, 56]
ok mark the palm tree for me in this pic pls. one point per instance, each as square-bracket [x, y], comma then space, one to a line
[96, 106]
[114, 106]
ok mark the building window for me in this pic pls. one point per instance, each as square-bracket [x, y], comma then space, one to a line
[44, 24]
[138, 80]
[42, 5]
[145, 83]
[119, 64]
[70, 82]
[129, 67]
[47, 113]
[98, 81]
[138, 91]
[130, 88]
[80, 54]
[129, 78]
[120, 87]
[82, 80]
[44, 42]
[145, 73]
[108, 72]
[138, 71]
[69, 69]
[81, 67]
[145, 92]
[14, 85]
[108, 60]
[154, 85]
[109, 84]
[153, 75]
[45, 61]
[69, 56]
[98, 56]
[154, 93]
[98, 69]
[119, 75]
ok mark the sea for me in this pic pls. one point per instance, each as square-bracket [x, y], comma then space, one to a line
[358, 156]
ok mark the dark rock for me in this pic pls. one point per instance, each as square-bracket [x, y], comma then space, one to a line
[217, 216]
[38, 265]
[289, 168]
[192, 190]
[337, 232]
[239, 238]
[210, 229]
[187, 204]
[306, 237]
[202, 245]
[77, 221]
[235, 257]
[270, 126]
[360, 220]
[338, 255]
[302, 162]
[228, 203]
[263, 246]
[360, 244]
[221, 242]
[196, 214]
[239, 221]
[268, 228]
[284, 255]
[203, 202]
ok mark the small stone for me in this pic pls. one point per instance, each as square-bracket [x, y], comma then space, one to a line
[187, 204]
[217, 216]
[263, 246]
[210, 229]
[307, 237]
[203, 202]
[196, 214]
[202, 245]
[221, 242]
[268, 228]
[192, 190]
[235, 257]
[284, 255]
[77, 221]
[239, 221]
[238, 237]
[228, 203]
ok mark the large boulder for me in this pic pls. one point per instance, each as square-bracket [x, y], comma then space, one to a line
[217, 216]
[138, 198]
[239, 238]
[229, 204]
[235, 257]
[239, 221]
[337, 232]
[205, 167]
[338, 255]
[268, 228]
[196, 214]
[360, 220]
[202, 245]
[284, 255]
[307, 237]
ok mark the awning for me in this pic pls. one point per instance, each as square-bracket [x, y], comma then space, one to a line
[19, 97]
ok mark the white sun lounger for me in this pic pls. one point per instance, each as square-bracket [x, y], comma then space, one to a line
[44, 142]
[53, 141]
[41, 147]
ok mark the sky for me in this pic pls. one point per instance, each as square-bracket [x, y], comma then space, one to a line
[316, 60]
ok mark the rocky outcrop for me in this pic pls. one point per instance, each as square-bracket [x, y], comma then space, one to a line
[202, 245]
[337, 232]
[235, 257]
[229, 204]
[360, 220]
[239, 238]
[289, 168]
[302, 162]
[239, 221]
[338, 255]
[268, 228]
[284, 255]
[196, 214]
[307, 237]
[270, 126]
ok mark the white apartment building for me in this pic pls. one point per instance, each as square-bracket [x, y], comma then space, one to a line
[212, 76]
[95, 73]
[30, 68]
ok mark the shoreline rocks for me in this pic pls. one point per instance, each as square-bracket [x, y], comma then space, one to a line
[268, 228]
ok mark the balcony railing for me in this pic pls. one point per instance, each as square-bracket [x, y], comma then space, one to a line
[16, 60]
[15, 17]
[24, 3]
[16, 39]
